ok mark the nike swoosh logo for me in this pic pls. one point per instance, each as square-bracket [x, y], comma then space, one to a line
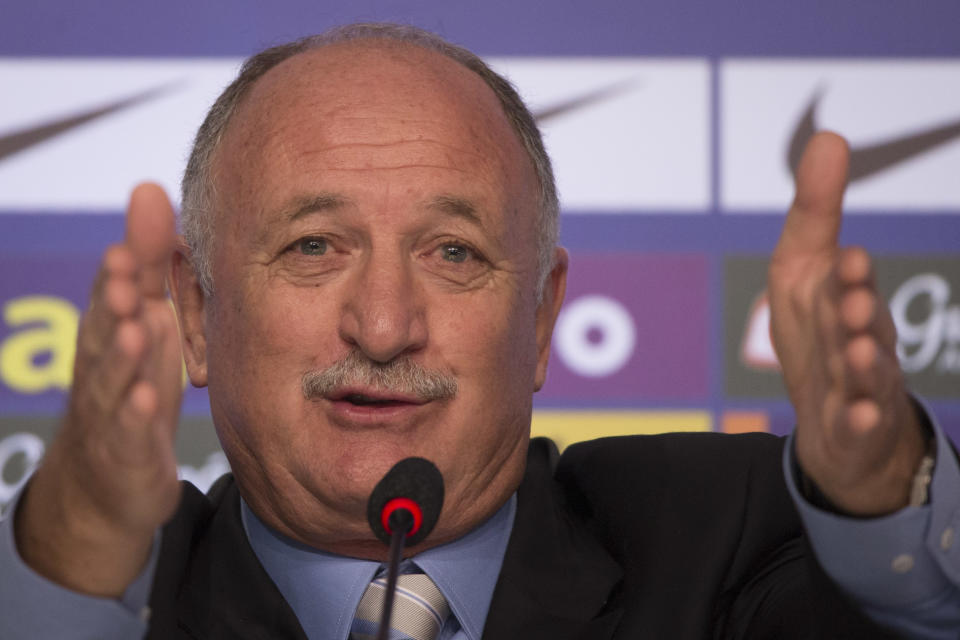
[17, 141]
[23, 139]
[583, 100]
[868, 160]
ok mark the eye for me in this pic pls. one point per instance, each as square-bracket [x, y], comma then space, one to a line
[456, 262]
[313, 246]
[455, 253]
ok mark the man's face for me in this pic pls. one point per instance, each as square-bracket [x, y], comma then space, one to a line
[373, 204]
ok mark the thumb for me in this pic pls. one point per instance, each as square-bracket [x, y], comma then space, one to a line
[813, 221]
[151, 235]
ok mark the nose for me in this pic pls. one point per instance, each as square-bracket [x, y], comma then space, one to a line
[383, 314]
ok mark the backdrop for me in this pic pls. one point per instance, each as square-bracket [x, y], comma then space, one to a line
[674, 126]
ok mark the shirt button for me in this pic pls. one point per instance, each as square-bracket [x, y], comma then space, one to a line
[946, 538]
[902, 563]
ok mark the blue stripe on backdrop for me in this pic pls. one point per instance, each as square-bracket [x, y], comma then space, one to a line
[501, 27]
[24, 234]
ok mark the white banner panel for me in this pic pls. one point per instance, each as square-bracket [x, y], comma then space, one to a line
[635, 133]
[902, 118]
[625, 134]
[78, 134]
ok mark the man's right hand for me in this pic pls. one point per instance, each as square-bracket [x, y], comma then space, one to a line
[109, 479]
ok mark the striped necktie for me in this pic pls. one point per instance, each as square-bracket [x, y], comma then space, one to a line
[419, 610]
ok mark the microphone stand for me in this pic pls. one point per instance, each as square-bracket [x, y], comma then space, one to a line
[406, 503]
[401, 521]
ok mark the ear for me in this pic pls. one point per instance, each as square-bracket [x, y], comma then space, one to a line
[189, 301]
[553, 291]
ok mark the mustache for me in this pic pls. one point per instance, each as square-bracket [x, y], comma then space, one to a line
[402, 376]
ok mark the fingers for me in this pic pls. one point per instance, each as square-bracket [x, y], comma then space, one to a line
[133, 437]
[813, 221]
[868, 371]
[150, 236]
[111, 478]
[836, 340]
[125, 354]
[111, 342]
[861, 309]
[110, 378]
[114, 297]
[127, 332]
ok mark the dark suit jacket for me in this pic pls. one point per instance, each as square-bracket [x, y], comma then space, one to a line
[663, 537]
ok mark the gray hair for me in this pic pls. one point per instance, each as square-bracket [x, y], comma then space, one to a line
[198, 191]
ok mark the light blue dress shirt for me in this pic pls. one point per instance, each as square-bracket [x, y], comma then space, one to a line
[903, 569]
[324, 589]
[920, 595]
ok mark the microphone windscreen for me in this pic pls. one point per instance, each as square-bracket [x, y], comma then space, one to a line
[416, 479]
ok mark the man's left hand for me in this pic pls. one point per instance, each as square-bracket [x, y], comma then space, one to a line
[858, 436]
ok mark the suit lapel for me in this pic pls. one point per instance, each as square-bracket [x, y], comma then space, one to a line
[557, 580]
[228, 594]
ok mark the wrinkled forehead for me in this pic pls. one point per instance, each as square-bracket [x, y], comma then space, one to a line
[378, 75]
[372, 92]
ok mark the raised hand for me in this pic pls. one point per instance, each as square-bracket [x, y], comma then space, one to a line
[109, 479]
[858, 436]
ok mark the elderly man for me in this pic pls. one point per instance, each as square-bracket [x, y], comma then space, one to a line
[369, 272]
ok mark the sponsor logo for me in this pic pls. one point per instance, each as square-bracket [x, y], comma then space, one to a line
[607, 158]
[751, 370]
[21, 452]
[928, 324]
[869, 159]
[634, 328]
[37, 355]
[22, 139]
[901, 117]
[40, 307]
[583, 100]
[756, 349]
[924, 299]
[595, 336]
[120, 121]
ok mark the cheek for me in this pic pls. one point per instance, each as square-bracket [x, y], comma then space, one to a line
[491, 347]
[268, 338]
[492, 352]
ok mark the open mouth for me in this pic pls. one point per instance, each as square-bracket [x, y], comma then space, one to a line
[372, 399]
[360, 400]
[359, 407]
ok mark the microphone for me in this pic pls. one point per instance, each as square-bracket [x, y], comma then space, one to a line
[403, 509]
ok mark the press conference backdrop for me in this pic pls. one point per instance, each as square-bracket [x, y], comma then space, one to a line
[674, 127]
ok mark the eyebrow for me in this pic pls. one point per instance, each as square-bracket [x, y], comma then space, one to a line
[306, 205]
[300, 207]
[457, 207]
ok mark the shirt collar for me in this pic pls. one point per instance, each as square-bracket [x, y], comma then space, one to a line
[324, 589]
[466, 570]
